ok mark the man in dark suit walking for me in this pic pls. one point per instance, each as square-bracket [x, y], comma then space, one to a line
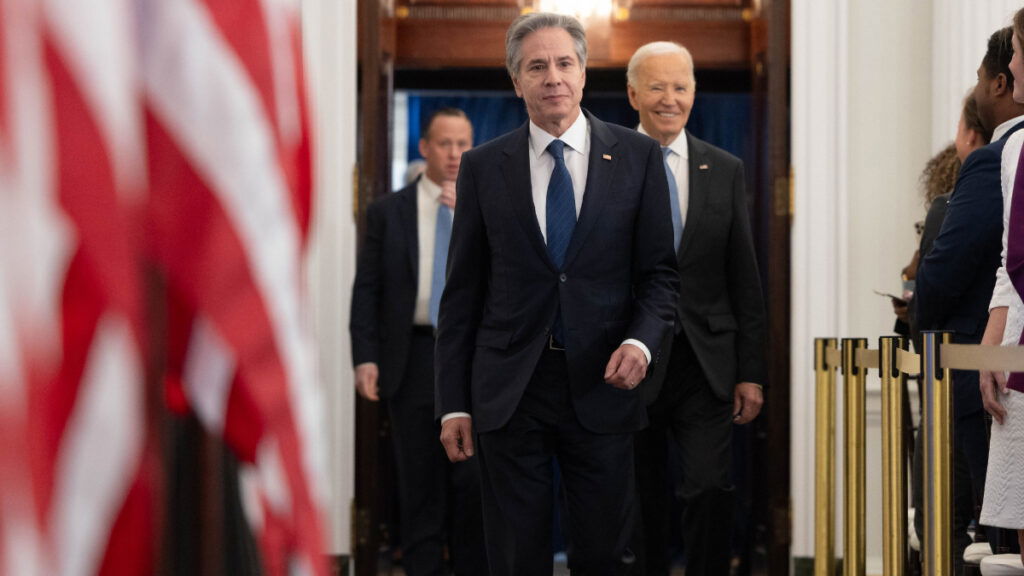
[399, 279]
[710, 370]
[955, 280]
[561, 280]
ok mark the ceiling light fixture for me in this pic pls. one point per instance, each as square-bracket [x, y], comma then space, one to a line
[581, 9]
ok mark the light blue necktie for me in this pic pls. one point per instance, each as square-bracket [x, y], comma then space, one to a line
[673, 196]
[561, 219]
[442, 236]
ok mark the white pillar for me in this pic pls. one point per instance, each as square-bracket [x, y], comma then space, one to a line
[329, 28]
[819, 233]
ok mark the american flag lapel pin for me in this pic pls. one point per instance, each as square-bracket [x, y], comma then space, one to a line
[606, 156]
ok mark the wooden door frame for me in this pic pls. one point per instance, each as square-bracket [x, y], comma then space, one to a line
[385, 42]
[374, 161]
[772, 502]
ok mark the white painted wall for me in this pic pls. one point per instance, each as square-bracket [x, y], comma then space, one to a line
[861, 133]
[877, 87]
[888, 142]
[329, 28]
[961, 30]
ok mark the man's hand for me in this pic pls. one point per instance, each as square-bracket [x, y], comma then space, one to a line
[993, 384]
[448, 194]
[746, 402]
[901, 309]
[457, 438]
[366, 381]
[909, 271]
[626, 368]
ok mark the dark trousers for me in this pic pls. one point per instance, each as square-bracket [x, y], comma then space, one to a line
[517, 484]
[439, 501]
[698, 426]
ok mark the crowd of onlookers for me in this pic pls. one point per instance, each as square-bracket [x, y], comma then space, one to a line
[965, 278]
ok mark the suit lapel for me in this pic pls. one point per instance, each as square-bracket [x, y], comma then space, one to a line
[600, 169]
[515, 168]
[407, 216]
[699, 188]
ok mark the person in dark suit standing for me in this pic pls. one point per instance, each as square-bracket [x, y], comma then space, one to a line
[710, 372]
[399, 279]
[955, 280]
[561, 280]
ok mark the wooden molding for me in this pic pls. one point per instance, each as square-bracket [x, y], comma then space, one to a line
[481, 44]
[713, 44]
[682, 3]
[450, 43]
[458, 3]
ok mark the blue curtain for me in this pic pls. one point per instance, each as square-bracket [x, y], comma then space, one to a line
[723, 119]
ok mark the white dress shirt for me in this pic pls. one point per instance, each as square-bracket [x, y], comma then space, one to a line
[428, 197]
[679, 163]
[577, 161]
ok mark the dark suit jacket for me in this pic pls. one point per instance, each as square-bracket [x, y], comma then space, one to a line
[619, 280]
[720, 306]
[384, 293]
[955, 280]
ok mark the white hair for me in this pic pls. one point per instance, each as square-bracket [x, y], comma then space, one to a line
[657, 49]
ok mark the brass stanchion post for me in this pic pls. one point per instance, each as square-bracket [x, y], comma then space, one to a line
[824, 459]
[854, 551]
[937, 427]
[894, 487]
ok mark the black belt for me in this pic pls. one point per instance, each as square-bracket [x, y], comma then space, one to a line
[555, 344]
[423, 330]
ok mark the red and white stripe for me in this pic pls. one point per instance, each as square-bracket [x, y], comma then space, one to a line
[229, 207]
[76, 490]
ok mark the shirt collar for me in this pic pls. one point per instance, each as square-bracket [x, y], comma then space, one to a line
[1004, 127]
[575, 137]
[680, 146]
[429, 187]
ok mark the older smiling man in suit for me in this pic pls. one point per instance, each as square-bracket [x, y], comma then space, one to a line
[561, 281]
[709, 374]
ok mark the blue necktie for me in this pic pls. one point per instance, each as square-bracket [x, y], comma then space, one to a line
[561, 219]
[442, 236]
[673, 196]
[561, 206]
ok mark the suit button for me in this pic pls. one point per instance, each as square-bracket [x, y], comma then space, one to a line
[562, 277]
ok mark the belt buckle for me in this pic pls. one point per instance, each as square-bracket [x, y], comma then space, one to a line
[552, 345]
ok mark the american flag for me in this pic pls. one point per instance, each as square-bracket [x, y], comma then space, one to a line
[229, 210]
[170, 131]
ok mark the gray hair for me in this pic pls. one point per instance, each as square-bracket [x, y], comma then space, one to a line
[527, 24]
[656, 49]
